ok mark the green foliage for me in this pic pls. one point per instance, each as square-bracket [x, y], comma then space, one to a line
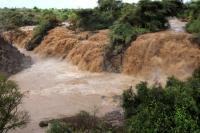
[146, 16]
[109, 5]
[90, 19]
[170, 109]
[16, 17]
[10, 99]
[58, 127]
[13, 18]
[9, 20]
[83, 122]
[48, 23]
[192, 10]
[173, 7]
[73, 19]
[194, 25]
[100, 17]
[122, 34]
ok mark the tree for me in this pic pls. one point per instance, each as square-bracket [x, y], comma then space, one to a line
[173, 108]
[172, 7]
[10, 99]
[110, 5]
[48, 22]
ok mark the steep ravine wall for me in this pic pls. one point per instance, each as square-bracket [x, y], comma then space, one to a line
[166, 52]
[11, 60]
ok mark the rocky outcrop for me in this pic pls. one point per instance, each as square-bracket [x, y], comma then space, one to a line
[11, 60]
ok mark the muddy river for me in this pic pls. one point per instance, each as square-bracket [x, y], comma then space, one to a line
[56, 88]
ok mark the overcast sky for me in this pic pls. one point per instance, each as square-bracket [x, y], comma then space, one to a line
[52, 3]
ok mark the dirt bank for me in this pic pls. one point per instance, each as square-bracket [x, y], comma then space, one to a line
[166, 52]
[11, 60]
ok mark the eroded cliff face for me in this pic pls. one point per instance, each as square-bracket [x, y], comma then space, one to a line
[11, 60]
[167, 52]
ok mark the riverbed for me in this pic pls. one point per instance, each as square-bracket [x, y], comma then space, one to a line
[55, 89]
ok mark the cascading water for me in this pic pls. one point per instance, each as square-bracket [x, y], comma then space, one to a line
[177, 25]
[56, 88]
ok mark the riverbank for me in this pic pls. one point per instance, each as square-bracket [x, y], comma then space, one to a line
[55, 89]
[11, 60]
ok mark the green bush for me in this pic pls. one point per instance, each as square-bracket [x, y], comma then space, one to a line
[10, 100]
[192, 10]
[122, 34]
[100, 17]
[147, 16]
[83, 122]
[93, 19]
[194, 27]
[58, 127]
[170, 109]
[173, 7]
[41, 30]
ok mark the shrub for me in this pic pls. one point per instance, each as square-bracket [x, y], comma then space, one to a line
[193, 10]
[58, 127]
[10, 99]
[173, 7]
[73, 19]
[151, 15]
[147, 16]
[83, 122]
[93, 19]
[41, 30]
[170, 109]
[100, 17]
[194, 27]
[122, 34]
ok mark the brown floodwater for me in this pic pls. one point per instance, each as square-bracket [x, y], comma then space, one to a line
[56, 88]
